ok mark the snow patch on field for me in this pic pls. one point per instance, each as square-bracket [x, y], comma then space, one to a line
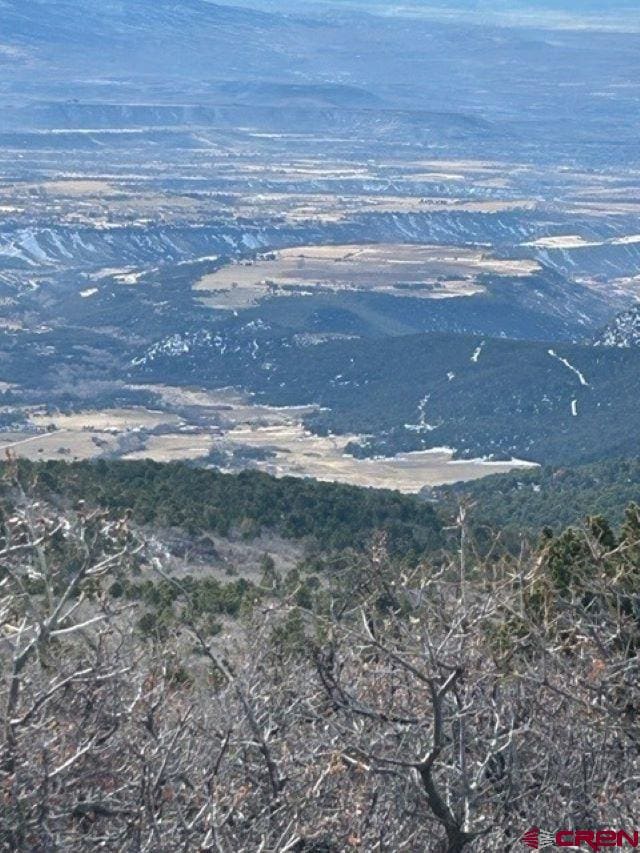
[494, 463]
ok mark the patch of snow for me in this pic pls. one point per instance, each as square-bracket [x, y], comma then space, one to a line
[564, 241]
[477, 353]
[623, 332]
[28, 242]
[485, 460]
[626, 241]
[570, 367]
[422, 425]
[128, 278]
[174, 346]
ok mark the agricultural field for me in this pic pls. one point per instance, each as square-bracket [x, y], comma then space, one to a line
[423, 272]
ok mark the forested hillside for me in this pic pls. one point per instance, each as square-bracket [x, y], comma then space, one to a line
[391, 705]
[557, 497]
[550, 403]
[334, 516]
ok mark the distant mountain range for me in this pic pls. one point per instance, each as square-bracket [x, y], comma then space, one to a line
[575, 7]
[193, 38]
[552, 13]
[425, 65]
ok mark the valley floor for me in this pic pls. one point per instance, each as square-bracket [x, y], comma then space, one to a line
[225, 429]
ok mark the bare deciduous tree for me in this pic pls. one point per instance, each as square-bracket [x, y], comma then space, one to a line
[435, 708]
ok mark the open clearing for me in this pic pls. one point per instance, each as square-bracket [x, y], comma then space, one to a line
[71, 445]
[175, 448]
[195, 423]
[292, 450]
[299, 453]
[419, 271]
[109, 420]
[79, 187]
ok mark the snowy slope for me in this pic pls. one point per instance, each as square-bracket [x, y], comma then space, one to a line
[623, 332]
